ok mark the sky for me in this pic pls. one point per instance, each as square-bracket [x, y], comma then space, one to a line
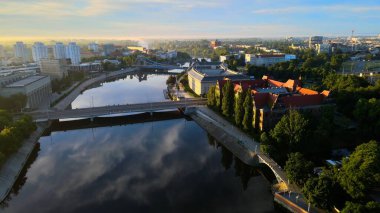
[186, 18]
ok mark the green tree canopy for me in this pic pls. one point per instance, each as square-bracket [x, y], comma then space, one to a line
[228, 99]
[248, 111]
[290, 131]
[239, 108]
[211, 101]
[361, 170]
[298, 169]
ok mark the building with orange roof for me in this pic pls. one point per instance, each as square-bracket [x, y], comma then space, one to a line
[272, 99]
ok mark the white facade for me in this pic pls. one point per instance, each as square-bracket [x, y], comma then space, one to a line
[94, 47]
[73, 53]
[20, 51]
[264, 60]
[39, 51]
[59, 51]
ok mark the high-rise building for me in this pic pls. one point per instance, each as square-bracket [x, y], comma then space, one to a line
[39, 51]
[313, 40]
[55, 68]
[94, 47]
[20, 51]
[59, 51]
[108, 49]
[73, 53]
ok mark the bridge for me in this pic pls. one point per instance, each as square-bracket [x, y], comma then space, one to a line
[146, 63]
[115, 109]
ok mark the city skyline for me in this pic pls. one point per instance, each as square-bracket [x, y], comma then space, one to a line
[146, 19]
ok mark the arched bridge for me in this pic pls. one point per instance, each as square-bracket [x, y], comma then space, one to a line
[146, 63]
[115, 109]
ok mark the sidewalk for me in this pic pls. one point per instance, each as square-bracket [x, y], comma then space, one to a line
[11, 169]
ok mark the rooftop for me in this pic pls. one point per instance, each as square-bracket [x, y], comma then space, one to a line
[26, 81]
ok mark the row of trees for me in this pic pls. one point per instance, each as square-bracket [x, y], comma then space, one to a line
[13, 103]
[59, 85]
[237, 108]
[348, 186]
[12, 133]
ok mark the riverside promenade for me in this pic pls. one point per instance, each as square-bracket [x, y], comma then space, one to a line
[12, 168]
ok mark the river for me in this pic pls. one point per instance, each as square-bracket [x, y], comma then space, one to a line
[157, 166]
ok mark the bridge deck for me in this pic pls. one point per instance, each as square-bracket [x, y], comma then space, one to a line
[116, 109]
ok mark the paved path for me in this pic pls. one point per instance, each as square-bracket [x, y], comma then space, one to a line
[245, 141]
[10, 171]
[64, 103]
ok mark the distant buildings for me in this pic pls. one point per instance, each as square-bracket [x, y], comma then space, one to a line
[55, 68]
[59, 51]
[323, 48]
[39, 51]
[21, 51]
[135, 48]
[313, 40]
[86, 67]
[215, 43]
[73, 53]
[202, 75]
[167, 55]
[267, 59]
[37, 88]
[108, 49]
[94, 47]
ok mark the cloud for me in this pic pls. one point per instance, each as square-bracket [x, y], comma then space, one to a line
[318, 9]
[55, 8]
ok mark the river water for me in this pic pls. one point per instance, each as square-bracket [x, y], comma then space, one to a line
[157, 166]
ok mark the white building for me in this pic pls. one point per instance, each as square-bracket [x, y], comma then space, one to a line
[73, 53]
[20, 51]
[39, 51]
[59, 51]
[94, 47]
[323, 48]
[267, 59]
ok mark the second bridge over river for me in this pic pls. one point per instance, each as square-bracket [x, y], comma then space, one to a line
[114, 109]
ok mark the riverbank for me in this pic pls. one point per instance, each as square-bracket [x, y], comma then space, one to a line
[12, 168]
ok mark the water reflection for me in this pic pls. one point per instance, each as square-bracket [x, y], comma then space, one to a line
[136, 88]
[163, 166]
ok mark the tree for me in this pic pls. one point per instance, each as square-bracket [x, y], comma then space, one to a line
[248, 111]
[367, 113]
[5, 119]
[361, 170]
[211, 100]
[298, 169]
[318, 191]
[290, 131]
[171, 80]
[370, 207]
[239, 108]
[228, 99]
